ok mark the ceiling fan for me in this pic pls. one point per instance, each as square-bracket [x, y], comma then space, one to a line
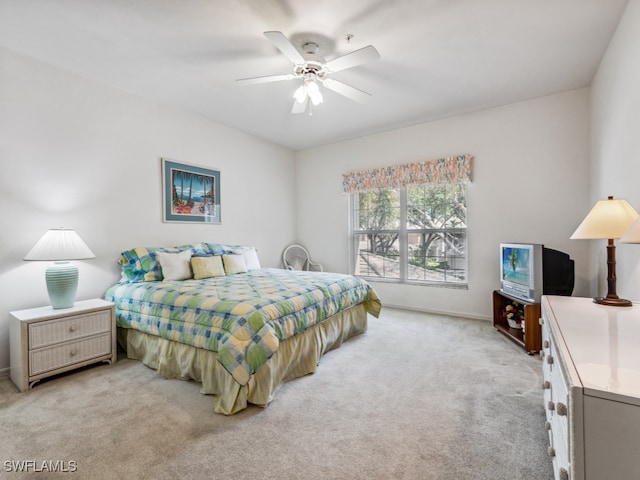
[313, 70]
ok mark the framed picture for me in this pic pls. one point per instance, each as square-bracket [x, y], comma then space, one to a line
[190, 193]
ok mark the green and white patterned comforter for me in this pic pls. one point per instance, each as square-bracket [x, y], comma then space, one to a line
[243, 317]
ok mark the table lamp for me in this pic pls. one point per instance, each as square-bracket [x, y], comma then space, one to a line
[608, 219]
[61, 245]
[633, 234]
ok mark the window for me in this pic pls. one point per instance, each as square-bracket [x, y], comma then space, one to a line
[409, 222]
[411, 235]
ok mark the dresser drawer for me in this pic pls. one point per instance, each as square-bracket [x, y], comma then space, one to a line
[559, 458]
[560, 399]
[52, 358]
[42, 334]
[556, 403]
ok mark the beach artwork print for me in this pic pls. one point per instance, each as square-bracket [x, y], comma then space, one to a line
[191, 193]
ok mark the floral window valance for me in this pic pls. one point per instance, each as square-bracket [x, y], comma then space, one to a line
[444, 170]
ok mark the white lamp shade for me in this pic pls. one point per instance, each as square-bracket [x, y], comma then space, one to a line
[633, 234]
[60, 244]
[607, 219]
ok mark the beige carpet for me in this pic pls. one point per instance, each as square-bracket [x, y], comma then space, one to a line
[416, 397]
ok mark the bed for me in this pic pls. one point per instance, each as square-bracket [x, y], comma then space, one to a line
[210, 313]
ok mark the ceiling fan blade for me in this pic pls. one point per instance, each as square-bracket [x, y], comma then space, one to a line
[300, 107]
[346, 90]
[358, 57]
[265, 79]
[285, 46]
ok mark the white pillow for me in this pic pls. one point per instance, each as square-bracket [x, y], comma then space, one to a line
[250, 257]
[175, 266]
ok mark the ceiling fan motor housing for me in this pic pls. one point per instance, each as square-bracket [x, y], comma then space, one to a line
[311, 69]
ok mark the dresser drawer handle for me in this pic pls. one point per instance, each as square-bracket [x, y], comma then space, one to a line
[546, 385]
[73, 353]
[562, 409]
[550, 359]
[551, 406]
[551, 451]
[73, 328]
[545, 344]
[564, 475]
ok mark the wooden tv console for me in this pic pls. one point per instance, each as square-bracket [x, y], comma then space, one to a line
[528, 337]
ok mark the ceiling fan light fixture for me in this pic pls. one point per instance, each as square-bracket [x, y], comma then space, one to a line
[314, 93]
[300, 94]
[309, 89]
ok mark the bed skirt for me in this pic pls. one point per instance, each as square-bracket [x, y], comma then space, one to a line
[296, 356]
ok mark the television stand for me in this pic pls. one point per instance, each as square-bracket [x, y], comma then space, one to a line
[529, 337]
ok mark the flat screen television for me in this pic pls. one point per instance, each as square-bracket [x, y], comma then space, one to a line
[530, 270]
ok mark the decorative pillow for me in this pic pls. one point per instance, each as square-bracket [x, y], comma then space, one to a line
[214, 249]
[175, 266]
[140, 265]
[234, 264]
[207, 267]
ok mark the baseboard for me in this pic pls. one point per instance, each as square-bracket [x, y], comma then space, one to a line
[5, 372]
[439, 312]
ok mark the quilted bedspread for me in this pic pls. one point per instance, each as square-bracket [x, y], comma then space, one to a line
[242, 317]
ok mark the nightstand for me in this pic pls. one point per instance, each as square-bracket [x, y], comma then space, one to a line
[46, 341]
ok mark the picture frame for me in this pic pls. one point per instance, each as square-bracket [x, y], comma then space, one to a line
[190, 193]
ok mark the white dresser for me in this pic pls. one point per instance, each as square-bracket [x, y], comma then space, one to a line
[591, 383]
[46, 341]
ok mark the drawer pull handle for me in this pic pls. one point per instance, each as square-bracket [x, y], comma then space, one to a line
[562, 409]
[551, 406]
[73, 353]
[551, 451]
[545, 344]
[73, 328]
[550, 359]
[547, 425]
[564, 475]
[546, 385]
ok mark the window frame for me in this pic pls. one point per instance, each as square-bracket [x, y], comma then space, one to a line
[403, 233]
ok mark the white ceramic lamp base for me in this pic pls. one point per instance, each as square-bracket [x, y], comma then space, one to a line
[62, 284]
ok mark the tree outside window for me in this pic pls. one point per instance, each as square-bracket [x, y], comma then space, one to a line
[411, 235]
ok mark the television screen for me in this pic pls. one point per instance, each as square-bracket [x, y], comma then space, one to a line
[516, 265]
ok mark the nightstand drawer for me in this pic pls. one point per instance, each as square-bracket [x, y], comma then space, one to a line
[52, 358]
[42, 334]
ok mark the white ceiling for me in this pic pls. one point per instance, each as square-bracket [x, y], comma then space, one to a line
[438, 57]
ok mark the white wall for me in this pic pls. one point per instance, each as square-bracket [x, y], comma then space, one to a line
[75, 153]
[530, 184]
[615, 145]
